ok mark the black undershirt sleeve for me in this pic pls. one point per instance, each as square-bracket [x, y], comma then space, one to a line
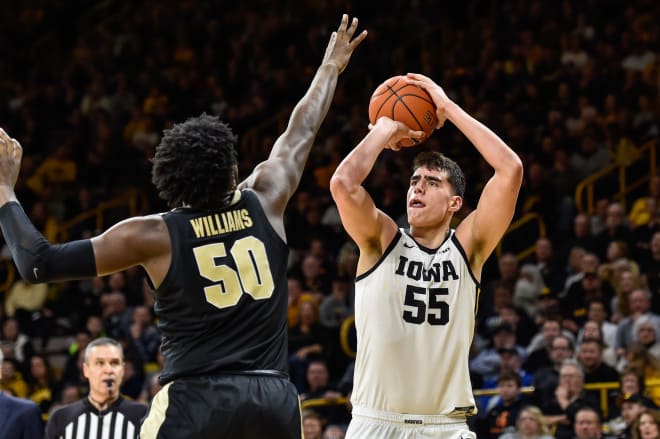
[38, 260]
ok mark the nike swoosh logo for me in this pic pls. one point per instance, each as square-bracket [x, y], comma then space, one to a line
[406, 245]
[34, 270]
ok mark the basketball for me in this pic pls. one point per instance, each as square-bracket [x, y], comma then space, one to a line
[405, 103]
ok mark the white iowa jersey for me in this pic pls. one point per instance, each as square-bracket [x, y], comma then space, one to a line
[415, 317]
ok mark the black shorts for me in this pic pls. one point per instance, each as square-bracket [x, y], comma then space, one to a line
[224, 406]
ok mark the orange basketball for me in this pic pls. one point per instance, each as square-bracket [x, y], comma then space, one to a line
[405, 103]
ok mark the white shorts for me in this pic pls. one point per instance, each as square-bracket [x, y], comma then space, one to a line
[374, 424]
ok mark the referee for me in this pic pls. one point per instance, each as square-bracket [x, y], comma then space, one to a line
[103, 413]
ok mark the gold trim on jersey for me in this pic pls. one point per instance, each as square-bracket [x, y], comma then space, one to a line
[156, 415]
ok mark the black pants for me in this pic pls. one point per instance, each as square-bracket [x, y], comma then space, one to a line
[225, 406]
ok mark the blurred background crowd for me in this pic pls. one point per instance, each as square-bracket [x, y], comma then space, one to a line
[572, 86]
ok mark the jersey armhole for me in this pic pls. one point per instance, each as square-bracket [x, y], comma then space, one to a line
[387, 251]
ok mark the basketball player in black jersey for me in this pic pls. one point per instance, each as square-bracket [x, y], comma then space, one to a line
[217, 261]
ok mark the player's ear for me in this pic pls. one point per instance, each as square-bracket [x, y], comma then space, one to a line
[455, 203]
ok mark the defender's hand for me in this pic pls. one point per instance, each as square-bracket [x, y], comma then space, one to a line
[340, 48]
[10, 160]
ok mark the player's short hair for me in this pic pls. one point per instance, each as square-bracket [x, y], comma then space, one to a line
[102, 341]
[194, 163]
[438, 161]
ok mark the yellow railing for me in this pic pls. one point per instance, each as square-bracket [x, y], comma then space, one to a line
[321, 402]
[344, 331]
[134, 202]
[519, 224]
[585, 192]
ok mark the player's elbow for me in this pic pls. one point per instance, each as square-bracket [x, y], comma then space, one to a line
[513, 170]
[29, 266]
[340, 185]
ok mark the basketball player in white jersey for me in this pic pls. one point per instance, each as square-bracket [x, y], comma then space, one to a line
[416, 290]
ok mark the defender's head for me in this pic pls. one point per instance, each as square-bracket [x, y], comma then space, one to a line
[195, 163]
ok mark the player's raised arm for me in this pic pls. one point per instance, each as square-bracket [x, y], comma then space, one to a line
[480, 231]
[129, 243]
[276, 179]
[370, 228]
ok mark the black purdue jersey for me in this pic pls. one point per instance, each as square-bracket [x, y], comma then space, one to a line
[222, 306]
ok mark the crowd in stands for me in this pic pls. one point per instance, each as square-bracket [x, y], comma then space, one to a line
[572, 86]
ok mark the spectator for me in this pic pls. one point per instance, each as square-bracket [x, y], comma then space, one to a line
[588, 423]
[547, 264]
[508, 270]
[529, 425]
[616, 229]
[581, 236]
[589, 263]
[19, 418]
[42, 383]
[592, 330]
[640, 304]
[528, 288]
[319, 387]
[646, 330]
[11, 379]
[312, 425]
[307, 340]
[334, 432]
[546, 379]
[501, 417]
[487, 362]
[632, 405]
[650, 272]
[15, 344]
[574, 304]
[597, 312]
[510, 363]
[144, 334]
[647, 425]
[569, 397]
[539, 349]
[638, 357]
[590, 356]
[23, 300]
[335, 308]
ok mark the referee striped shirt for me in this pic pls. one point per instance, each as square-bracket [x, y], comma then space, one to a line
[81, 420]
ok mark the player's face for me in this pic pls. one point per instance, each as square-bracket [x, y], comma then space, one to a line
[431, 199]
